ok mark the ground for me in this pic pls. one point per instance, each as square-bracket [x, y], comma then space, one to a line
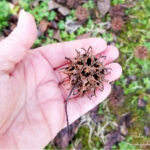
[125, 24]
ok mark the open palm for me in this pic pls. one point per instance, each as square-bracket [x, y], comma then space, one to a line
[32, 108]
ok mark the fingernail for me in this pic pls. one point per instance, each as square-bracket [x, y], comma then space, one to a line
[22, 13]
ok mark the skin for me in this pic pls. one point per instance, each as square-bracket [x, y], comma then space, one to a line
[32, 101]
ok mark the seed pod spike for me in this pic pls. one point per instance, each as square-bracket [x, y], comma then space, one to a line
[106, 80]
[89, 97]
[84, 49]
[66, 79]
[102, 87]
[68, 59]
[90, 50]
[62, 68]
[104, 58]
[78, 53]
[95, 92]
[106, 71]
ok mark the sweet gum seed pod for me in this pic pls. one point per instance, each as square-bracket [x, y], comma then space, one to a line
[86, 72]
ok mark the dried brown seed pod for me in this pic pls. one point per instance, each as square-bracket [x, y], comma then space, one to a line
[141, 52]
[82, 13]
[86, 74]
[117, 23]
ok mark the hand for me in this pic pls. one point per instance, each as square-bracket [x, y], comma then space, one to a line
[31, 101]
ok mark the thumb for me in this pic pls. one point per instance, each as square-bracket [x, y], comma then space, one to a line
[15, 46]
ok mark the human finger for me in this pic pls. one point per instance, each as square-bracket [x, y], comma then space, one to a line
[56, 53]
[115, 72]
[110, 54]
[15, 46]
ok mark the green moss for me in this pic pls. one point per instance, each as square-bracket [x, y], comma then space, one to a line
[116, 2]
[50, 147]
[39, 12]
[5, 13]
[83, 134]
[135, 33]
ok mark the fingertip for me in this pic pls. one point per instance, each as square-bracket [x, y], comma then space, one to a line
[56, 53]
[114, 51]
[16, 45]
[115, 73]
[102, 95]
[24, 17]
[98, 44]
[27, 27]
[111, 53]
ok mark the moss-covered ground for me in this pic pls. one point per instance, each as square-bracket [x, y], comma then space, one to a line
[135, 33]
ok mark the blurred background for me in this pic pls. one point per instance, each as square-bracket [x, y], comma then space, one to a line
[122, 121]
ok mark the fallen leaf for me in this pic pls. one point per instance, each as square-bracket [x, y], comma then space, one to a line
[84, 36]
[123, 129]
[125, 118]
[141, 103]
[53, 5]
[103, 6]
[113, 138]
[43, 25]
[63, 137]
[95, 116]
[15, 2]
[36, 3]
[56, 36]
[54, 25]
[71, 3]
[72, 26]
[62, 9]
[146, 131]
[61, 1]
[131, 78]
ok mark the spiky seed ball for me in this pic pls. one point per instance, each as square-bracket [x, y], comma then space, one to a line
[141, 52]
[86, 73]
[117, 23]
[82, 13]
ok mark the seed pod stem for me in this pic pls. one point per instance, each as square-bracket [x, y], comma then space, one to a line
[66, 102]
